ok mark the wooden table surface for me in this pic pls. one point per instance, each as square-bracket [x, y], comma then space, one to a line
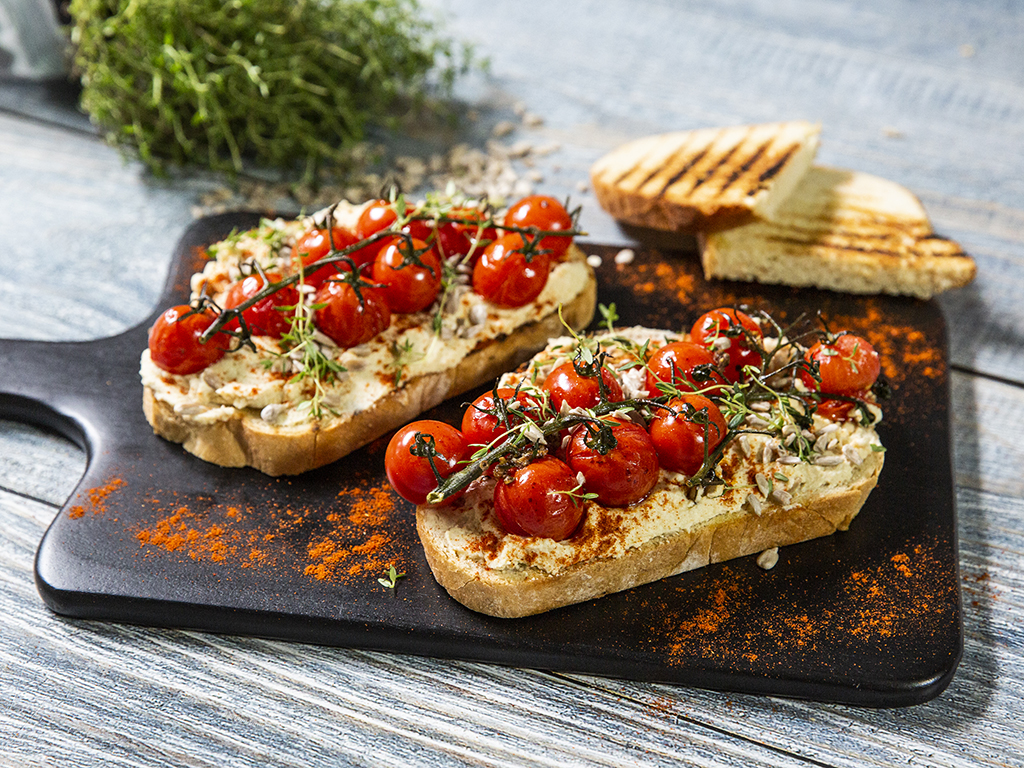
[928, 95]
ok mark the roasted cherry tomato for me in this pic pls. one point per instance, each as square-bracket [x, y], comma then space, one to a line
[681, 433]
[685, 365]
[847, 365]
[314, 245]
[567, 385]
[271, 315]
[538, 500]
[728, 333]
[506, 277]
[348, 316]
[621, 476]
[407, 465]
[483, 423]
[381, 214]
[175, 343]
[408, 286]
[834, 409]
[546, 214]
[456, 238]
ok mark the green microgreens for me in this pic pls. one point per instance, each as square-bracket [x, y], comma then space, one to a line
[390, 578]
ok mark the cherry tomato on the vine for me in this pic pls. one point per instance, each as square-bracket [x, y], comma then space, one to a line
[349, 317]
[481, 424]
[410, 474]
[623, 475]
[685, 365]
[567, 385]
[271, 315]
[683, 431]
[847, 365]
[546, 214]
[381, 214]
[506, 277]
[728, 332]
[538, 500]
[458, 238]
[175, 344]
[408, 286]
[314, 245]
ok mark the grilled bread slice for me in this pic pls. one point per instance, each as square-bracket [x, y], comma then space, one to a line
[253, 408]
[844, 231]
[770, 498]
[704, 179]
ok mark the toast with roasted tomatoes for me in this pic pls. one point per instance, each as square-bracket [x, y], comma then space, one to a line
[306, 339]
[620, 458]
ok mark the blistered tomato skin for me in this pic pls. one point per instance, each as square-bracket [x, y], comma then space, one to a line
[729, 333]
[687, 366]
[624, 475]
[408, 287]
[271, 315]
[848, 365]
[537, 500]
[546, 214]
[348, 319]
[680, 435]
[505, 276]
[566, 385]
[175, 343]
[412, 476]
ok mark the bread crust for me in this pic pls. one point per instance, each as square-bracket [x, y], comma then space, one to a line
[246, 439]
[514, 594]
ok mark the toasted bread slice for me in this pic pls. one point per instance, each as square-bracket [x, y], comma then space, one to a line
[844, 231]
[255, 407]
[244, 438]
[704, 179]
[674, 529]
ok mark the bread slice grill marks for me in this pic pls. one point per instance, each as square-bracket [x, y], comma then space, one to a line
[708, 177]
[846, 231]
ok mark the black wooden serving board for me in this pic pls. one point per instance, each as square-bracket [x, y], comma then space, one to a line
[155, 536]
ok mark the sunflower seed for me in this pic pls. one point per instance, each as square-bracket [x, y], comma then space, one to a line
[768, 559]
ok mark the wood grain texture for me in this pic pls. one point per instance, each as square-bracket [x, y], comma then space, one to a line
[897, 94]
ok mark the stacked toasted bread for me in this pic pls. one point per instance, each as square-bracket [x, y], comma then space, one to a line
[764, 212]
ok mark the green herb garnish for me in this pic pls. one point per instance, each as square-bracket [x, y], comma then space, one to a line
[285, 83]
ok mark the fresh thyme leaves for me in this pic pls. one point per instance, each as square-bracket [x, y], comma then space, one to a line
[608, 315]
[282, 82]
[307, 356]
[390, 578]
[402, 354]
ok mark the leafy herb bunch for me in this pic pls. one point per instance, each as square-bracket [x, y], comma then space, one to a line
[278, 82]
